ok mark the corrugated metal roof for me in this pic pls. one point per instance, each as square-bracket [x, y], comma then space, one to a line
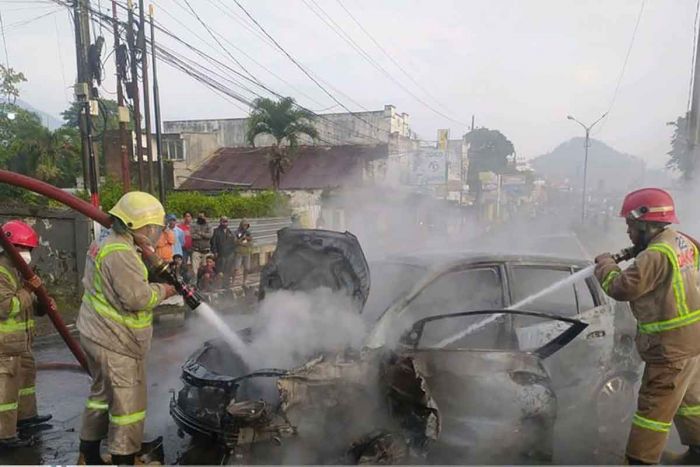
[313, 167]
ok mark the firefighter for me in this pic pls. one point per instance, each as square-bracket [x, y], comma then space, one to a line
[17, 367]
[662, 288]
[115, 329]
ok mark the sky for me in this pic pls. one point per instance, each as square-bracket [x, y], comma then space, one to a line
[519, 66]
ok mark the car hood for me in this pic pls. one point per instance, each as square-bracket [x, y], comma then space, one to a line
[307, 259]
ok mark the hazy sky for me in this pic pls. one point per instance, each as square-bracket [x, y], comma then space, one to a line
[519, 66]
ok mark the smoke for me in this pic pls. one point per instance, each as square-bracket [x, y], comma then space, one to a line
[297, 325]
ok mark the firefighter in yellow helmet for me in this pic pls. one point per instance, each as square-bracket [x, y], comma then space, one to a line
[662, 288]
[115, 329]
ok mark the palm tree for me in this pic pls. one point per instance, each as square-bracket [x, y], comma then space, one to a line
[285, 122]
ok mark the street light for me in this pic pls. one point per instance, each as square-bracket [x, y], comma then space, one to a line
[585, 161]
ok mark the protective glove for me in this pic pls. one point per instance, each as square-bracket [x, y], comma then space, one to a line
[604, 258]
[33, 284]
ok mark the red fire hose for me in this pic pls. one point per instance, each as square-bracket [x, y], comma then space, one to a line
[73, 202]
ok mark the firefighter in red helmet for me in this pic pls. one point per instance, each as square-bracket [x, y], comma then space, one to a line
[662, 288]
[17, 367]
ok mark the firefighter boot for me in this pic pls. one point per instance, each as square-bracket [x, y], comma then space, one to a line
[16, 442]
[90, 453]
[690, 457]
[127, 459]
[32, 421]
[633, 461]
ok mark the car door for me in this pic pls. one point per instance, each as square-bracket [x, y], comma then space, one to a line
[584, 363]
[495, 403]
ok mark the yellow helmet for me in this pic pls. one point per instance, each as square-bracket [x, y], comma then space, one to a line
[138, 209]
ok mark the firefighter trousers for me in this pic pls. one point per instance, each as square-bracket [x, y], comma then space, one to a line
[116, 408]
[17, 391]
[670, 392]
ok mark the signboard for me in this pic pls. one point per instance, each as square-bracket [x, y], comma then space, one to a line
[443, 136]
[428, 167]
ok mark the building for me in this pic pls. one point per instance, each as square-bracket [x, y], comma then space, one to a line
[190, 143]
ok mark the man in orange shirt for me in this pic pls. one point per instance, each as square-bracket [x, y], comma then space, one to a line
[166, 242]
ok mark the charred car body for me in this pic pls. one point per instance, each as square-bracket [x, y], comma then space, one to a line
[446, 375]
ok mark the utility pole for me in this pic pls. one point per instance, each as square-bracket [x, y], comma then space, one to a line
[156, 108]
[693, 119]
[83, 94]
[585, 160]
[146, 93]
[134, 91]
[123, 135]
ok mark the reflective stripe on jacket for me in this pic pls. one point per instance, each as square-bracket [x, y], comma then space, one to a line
[16, 308]
[117, 308]
[662, 288]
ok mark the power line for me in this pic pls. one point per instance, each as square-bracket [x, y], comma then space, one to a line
[363, 53]
[201, 76]
[388, 55]
[204, 25]
[298, 65]
[624, 64]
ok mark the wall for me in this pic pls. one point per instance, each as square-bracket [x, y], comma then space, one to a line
[64, 237]
[198, 148]
[337, 128]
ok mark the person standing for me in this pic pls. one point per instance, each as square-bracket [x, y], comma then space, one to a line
[187, 244]
[17, 366]
[662, 288]
[244, 250]
[201, 233]
[115, 324]
[223, 246]
[167, 241]
[171, 220]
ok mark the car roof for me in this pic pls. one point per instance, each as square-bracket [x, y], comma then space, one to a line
[434, 259]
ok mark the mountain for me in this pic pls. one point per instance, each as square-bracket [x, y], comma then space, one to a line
[607, 168]
[50, 121]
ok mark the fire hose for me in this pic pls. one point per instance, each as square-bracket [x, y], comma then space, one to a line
[630, 252]
[157, 267]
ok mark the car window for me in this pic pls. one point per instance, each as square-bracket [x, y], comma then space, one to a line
[467, 290]
[585, 296]
[528, 280]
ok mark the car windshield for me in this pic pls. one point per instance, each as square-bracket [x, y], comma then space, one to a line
[389, 282]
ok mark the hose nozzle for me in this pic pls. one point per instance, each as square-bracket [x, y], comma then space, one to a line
[625, 254]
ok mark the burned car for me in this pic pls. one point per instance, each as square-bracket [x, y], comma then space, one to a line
[446, 374]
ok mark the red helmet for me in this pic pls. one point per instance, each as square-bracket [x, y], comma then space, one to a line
[650, 205]
[20, 234]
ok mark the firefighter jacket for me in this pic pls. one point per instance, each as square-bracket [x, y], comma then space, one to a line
[662, 288]
[117, 307]
[16, 309]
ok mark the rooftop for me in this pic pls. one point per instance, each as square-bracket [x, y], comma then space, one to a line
[312, 167]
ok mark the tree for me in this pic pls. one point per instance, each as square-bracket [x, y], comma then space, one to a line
[285, 122]
[489, 151]
[9, 84]
[29, 148]
[680, 155]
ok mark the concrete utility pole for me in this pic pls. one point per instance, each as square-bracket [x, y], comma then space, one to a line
[693, 119]
[134, 91]
[83, 94]
[146, 94]
[585, 160]
[156, 108]
[123, 133]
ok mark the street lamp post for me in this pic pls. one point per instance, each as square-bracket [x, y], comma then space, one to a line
[587, 128]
